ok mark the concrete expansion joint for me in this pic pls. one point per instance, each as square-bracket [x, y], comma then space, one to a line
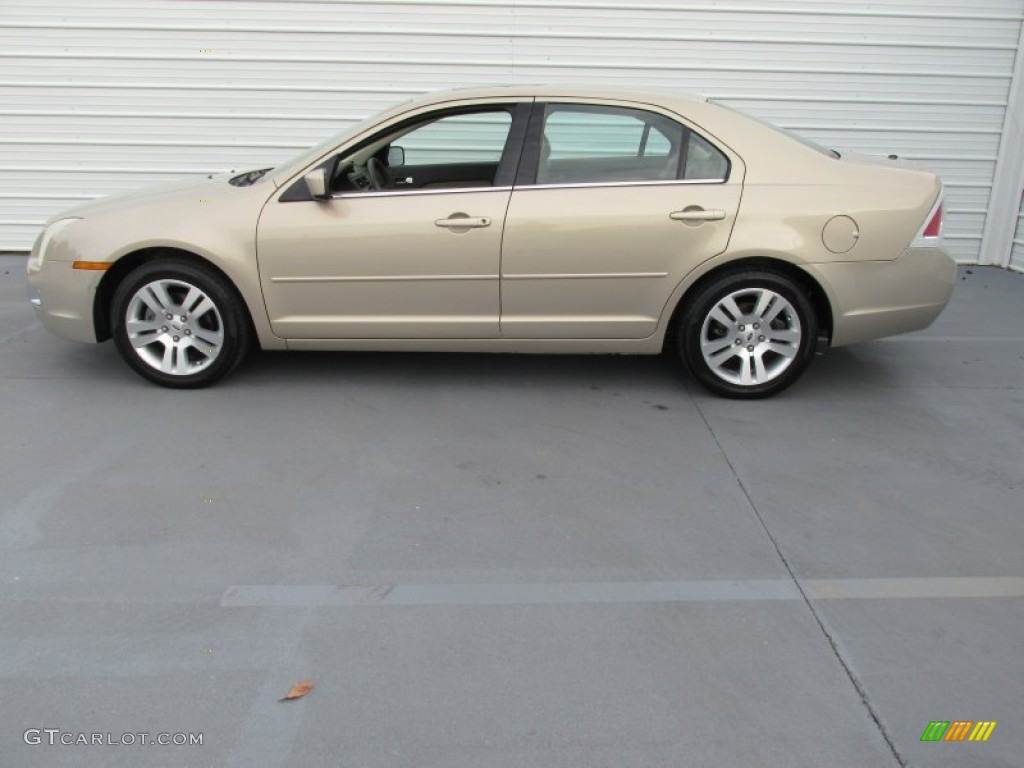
[854, 680]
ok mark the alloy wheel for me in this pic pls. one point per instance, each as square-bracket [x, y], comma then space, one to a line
[174, 327]
[750, 336]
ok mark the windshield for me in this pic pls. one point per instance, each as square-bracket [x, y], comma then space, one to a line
[789, 134]
[298, 163]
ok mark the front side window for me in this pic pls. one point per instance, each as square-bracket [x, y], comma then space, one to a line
[473, 138]
[450, 151]
[586, 144]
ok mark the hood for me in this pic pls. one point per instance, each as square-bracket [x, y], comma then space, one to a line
[206, 188]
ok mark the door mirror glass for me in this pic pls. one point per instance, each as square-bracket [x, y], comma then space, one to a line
[396, 156]
[316, 183]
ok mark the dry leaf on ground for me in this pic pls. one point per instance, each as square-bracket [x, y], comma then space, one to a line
[299, 690]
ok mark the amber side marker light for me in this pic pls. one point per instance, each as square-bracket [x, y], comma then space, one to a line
[100, 266]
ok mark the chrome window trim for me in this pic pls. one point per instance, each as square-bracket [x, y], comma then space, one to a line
[576, 185]
[405, 192]
[659, 183]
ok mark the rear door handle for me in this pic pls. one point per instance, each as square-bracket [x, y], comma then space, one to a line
[463, 222]
[697, 214]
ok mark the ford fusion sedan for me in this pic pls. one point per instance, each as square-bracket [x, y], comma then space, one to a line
[517, 219]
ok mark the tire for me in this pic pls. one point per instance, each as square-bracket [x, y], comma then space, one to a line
[179, 324]
[748, 334]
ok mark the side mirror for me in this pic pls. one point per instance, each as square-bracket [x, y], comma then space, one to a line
[396, 156]
[316, 183]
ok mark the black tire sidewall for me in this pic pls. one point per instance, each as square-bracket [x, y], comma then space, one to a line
[707, 296]
[229, 304]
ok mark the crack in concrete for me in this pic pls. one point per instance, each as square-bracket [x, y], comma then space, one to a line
[876, 718]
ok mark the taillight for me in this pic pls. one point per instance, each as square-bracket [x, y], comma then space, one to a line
[931, 233]
[934, 227]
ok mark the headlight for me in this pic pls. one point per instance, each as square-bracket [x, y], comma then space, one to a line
[35, 261]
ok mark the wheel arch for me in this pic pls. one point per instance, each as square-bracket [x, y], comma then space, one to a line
[131, 261]
[816, 293]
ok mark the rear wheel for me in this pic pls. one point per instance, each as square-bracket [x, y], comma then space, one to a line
[179, 324]
[748, 334]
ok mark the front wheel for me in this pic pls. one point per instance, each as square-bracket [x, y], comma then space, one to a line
[748, 334]
[179, 324]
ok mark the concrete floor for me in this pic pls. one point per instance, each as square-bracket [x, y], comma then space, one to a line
[516, 561]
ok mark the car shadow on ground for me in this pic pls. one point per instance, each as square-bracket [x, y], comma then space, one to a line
[831, 372]
[437, 369]
[848, 368]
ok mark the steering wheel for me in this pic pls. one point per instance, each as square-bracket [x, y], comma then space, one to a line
[377, 171]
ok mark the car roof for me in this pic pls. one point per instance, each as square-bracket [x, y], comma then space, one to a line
[567, 90]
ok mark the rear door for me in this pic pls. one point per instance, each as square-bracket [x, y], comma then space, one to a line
[612, 206]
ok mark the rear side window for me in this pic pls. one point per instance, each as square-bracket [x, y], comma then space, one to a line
[590, 144]
[703, 161]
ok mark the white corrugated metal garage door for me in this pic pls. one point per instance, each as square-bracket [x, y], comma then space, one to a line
[101, 96]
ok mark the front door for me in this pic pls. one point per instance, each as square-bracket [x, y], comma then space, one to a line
[407, 250]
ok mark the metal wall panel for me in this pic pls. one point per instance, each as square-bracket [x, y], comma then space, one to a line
[101, 96]
[1017, 253]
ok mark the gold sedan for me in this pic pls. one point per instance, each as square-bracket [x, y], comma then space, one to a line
[519, 219]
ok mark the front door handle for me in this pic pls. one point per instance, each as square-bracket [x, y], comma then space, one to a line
[696, 213]
[462, 221]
